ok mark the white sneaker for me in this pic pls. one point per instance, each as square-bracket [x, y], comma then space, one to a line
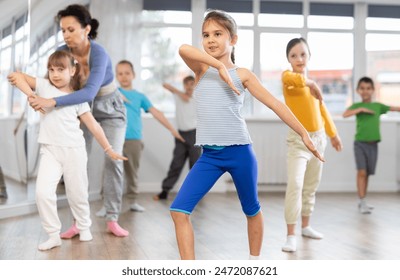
[364, 208]
[137, 207]
[370, 207]
[85, 235]
[290, 245]
[102, 212]
[364, 202]
[53, 241]
[311, 233]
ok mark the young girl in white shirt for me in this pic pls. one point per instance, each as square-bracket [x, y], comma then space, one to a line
[62, 151]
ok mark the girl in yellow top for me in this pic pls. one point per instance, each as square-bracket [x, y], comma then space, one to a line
[304, 98]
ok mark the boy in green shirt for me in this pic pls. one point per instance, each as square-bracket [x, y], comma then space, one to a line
[367, 136]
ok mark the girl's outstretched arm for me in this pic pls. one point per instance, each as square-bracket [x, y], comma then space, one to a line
[98, 133]
[22, 81]
[163, 120]
[25, 83]
[251, 82]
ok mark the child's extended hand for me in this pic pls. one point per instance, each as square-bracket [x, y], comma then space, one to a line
[336, 143]
[114, 155]
[224, 74]
[310, 146]
[178, 136]
[14, 77]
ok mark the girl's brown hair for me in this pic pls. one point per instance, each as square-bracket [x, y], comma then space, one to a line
[224, 19]
[294, 42]
[65, 60]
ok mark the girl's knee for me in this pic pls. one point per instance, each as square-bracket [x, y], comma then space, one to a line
[179, 217]
[251, 208]
[255, 216]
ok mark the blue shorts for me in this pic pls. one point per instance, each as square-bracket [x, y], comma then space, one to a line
[238, 160]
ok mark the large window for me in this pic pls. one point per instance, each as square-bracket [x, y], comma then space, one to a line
[331, 16]
[161, 63]
[5, 66]
[166, 26]
[331, 42]
[331, 46]
[168, 17]
[334, 31]
[14, 53]
[281, 14]
[383, 52]
[331, 66]
[43, 46]
[265, 26]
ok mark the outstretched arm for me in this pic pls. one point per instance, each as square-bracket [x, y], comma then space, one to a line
[25, 83]
[163, 120]
[98, 133]
[254, 86]
[176, 91]
[394, 108]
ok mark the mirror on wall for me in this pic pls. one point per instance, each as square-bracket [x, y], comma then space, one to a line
[14, 56]
[28, 35]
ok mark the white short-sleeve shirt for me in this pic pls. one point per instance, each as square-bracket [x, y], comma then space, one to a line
[185, 114]
[60, 126]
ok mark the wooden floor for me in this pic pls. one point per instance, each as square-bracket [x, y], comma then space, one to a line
[220, 231]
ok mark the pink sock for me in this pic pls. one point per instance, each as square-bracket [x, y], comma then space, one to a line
[70, 233]
[115, 229]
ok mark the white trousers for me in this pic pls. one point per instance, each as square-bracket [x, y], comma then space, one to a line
[72, 164]
[304, 175]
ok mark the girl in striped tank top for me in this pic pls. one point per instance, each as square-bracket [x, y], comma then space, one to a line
[222, 131]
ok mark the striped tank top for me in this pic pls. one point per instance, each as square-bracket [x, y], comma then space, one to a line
[219, 120]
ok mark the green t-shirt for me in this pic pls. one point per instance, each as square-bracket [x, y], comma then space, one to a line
[367, 124]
